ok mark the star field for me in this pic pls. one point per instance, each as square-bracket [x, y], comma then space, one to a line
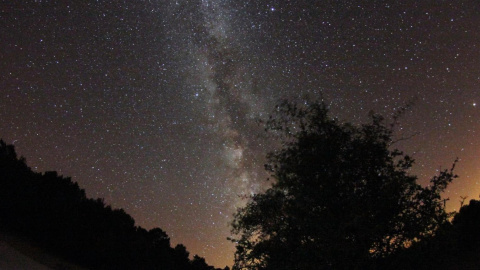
[152, 105]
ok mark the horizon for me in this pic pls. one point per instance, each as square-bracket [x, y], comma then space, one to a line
[153, 105]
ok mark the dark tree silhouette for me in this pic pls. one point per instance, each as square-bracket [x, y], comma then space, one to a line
[199, 263]
[462, 201]
[341, 199]
[54, 212]
[456, 245]
[467, 225]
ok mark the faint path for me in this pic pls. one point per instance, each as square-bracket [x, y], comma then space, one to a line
[11, 259]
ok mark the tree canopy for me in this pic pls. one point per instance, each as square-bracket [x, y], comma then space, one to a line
[342, 196]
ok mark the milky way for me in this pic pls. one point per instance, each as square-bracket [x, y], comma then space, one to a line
[152, 105]
[232, 107]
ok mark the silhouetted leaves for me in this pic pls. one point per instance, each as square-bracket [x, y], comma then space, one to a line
[342, 198]
[455, 245]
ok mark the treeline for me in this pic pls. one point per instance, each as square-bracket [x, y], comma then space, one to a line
[54, 212]
[454, 246]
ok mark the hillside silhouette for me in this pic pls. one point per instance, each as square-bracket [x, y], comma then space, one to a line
[54, 212]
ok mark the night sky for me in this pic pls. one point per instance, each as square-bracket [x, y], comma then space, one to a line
[152, 105]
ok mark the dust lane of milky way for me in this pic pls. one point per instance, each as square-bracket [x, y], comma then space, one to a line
[152, 104]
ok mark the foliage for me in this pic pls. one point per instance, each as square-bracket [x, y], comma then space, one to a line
[341, 197]
[456, 245]
[54, 212]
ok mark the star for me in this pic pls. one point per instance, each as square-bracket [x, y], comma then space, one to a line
[154, 106]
